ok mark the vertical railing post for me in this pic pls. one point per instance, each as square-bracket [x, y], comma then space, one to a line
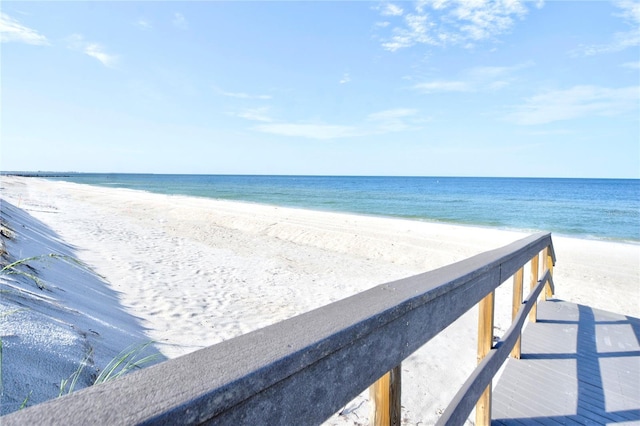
[385, 395]
[485, 343]
[518, 279]
[533, 314]
[547, 265]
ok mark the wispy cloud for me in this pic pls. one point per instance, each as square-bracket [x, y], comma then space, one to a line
[255, 114]
[240, 95]
[455, 22]
[474, 79]
[345, 78]
[179, 21]
[144, 24]
[576, 102]
[310, 131]
[388, 121]
[633, 65]
[443, 86]
[629, 11]
[12, 31]
[390, 9]
[95, 50]
[396, 120]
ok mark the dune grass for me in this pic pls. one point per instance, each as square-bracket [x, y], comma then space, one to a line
[26, 400]
[127, 360]
[73, 379]
[12, 268]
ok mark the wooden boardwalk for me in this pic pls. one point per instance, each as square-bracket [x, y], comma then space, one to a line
[579, 366]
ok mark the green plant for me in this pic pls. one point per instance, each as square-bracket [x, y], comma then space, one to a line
[125, 361]
[12, 268]
[74, 376]
[24, 403]
[5, 314]
[120, 365]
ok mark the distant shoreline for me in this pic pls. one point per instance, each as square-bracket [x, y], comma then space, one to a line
[74, 174]
[591, 209]
[37, 175]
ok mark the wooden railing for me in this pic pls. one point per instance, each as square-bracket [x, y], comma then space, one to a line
[491, 357]
[304, 369]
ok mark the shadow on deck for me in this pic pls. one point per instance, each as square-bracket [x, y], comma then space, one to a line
[579, 366]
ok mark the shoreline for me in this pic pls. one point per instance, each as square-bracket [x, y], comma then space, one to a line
[196, 271]
[294, 193]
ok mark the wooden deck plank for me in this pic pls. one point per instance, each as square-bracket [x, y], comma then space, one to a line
[579, 366]
[518, 411]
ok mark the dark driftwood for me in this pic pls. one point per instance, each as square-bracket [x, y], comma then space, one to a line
[298, 371]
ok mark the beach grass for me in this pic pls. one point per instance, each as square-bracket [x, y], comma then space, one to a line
[126, 361]
[73, 379]
[26, 400]
[12, 268]
[123, 363]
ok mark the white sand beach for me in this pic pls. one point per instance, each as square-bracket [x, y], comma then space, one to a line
[190, 272]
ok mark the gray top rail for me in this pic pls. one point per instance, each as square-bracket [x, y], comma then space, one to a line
[298, 371]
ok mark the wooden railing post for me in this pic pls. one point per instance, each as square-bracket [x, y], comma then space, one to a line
[485, 343]
[533, 315]
[518, 279]
[385, 397]
[547, 265]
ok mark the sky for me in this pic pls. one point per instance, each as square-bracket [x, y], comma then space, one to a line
[427, 88]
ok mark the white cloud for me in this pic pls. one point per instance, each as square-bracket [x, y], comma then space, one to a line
[435, 4]
[474, 79]
[310, 131]
[576, 102]
[443, 86]
[388, 121]
[256, 114]
[179, 21]
[455, 22]
[144, 24]
[630, 10]
[390, 9]
[395, 120]
[392, 114]
[416, 31]
[484, 20]
[345, 78]
[12, 31]
[633, 65]
[240, 95]
[489, 73]
[622, 40]
[95, 50]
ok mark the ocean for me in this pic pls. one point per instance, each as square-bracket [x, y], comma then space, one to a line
[606, 209]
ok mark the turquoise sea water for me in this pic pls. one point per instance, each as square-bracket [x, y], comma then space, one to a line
[606, 209]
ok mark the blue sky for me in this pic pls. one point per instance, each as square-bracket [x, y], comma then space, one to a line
[431, 88]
